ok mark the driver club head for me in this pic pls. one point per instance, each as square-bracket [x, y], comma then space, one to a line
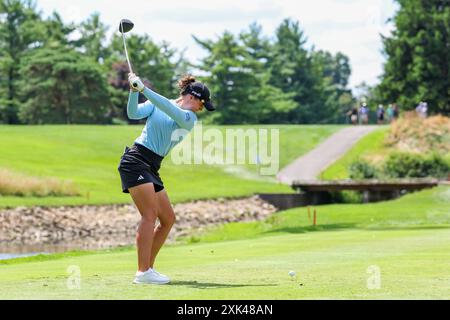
[125, 25]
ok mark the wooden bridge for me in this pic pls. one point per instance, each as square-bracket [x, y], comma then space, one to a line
[315, 192]
[364, 185]
[372, 190]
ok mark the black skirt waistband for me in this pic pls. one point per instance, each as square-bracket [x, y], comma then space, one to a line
[149, 155]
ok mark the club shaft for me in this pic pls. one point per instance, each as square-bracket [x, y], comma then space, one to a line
[126, 51]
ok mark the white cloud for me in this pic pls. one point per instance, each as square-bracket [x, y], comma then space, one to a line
[348, 26]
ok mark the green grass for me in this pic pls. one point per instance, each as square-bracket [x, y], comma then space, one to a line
[370, 145]
[89, 155]
[425, 209]
[331, 265]
[407, 239]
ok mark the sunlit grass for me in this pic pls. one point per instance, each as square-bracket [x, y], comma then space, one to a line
[89, 156]
[20, 185]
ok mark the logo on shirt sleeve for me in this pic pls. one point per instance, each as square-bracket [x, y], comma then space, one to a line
[188, 117]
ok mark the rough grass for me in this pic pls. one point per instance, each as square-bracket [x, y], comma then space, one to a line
[414, 134]
[20, 185]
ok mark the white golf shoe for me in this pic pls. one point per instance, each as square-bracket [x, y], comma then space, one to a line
[150, 277]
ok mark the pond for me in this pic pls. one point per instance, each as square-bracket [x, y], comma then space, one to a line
[20, 251]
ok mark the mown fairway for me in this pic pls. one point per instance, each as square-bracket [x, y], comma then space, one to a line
[89, 156]
[406, 242]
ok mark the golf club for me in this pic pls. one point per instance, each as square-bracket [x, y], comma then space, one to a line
[124, 27]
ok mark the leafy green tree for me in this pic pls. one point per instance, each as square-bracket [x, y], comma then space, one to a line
[294, 72]
[93, 37]
[239, 78]
[57, 32]
[271, 104]
[20, 29]
[334, 67]
[224, 75]
[119, 89]
[61, 85]
[335, 73]
[156, 62]
[418, 56]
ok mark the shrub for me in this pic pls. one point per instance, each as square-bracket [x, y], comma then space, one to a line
[361, 169]
[409, 165]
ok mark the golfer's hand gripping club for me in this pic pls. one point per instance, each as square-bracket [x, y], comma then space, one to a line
[136, 83]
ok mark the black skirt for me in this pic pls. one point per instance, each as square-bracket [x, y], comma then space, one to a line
[139, 165]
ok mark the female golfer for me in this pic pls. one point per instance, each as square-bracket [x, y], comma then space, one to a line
[140, 164]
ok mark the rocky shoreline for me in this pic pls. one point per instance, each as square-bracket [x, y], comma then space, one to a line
[95, 227]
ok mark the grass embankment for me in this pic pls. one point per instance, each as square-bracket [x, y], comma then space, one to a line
[89, 156]
[406, 240]
[410, 134]
[371, 146]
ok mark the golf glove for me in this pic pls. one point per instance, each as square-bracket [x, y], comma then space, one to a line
[135, 83]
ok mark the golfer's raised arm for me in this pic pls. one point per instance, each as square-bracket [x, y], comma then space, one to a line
[183, 118]
[137, 111]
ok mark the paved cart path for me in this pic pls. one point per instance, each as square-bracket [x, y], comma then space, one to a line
[309, 166]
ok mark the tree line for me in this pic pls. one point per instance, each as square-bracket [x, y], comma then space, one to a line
[57, 72]
[64, 73]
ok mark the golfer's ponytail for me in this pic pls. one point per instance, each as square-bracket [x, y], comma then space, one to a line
[185, 82]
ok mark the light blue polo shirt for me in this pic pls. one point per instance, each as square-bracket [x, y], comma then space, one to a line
[164, 117]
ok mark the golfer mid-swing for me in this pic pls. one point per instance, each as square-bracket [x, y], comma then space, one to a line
[140, 164]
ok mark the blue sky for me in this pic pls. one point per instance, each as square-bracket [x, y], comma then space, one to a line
[350, 26]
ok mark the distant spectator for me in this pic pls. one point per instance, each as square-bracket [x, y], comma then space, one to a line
[396, 112]
[422, 109]
[364, 114]
[390, 113]
[353, 115]
[380, 114]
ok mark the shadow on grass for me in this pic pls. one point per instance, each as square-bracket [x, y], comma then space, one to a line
[324, 227]
[344, 226]
[206, 285]
[393, 228]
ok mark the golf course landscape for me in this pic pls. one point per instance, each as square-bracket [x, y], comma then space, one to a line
[249, 154]
[88, 156]
[388, 250]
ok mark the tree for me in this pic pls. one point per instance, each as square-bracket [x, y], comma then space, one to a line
[335, 72]
[57, 32]
[20, 29]
[270, 104]
[93, 35]
[60, 85]
[156, 62]
[294, 72]
[334, 67]
[238, 76]
[418, 56]
[119, 89]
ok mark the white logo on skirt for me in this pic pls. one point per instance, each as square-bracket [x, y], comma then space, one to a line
[140, 178]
